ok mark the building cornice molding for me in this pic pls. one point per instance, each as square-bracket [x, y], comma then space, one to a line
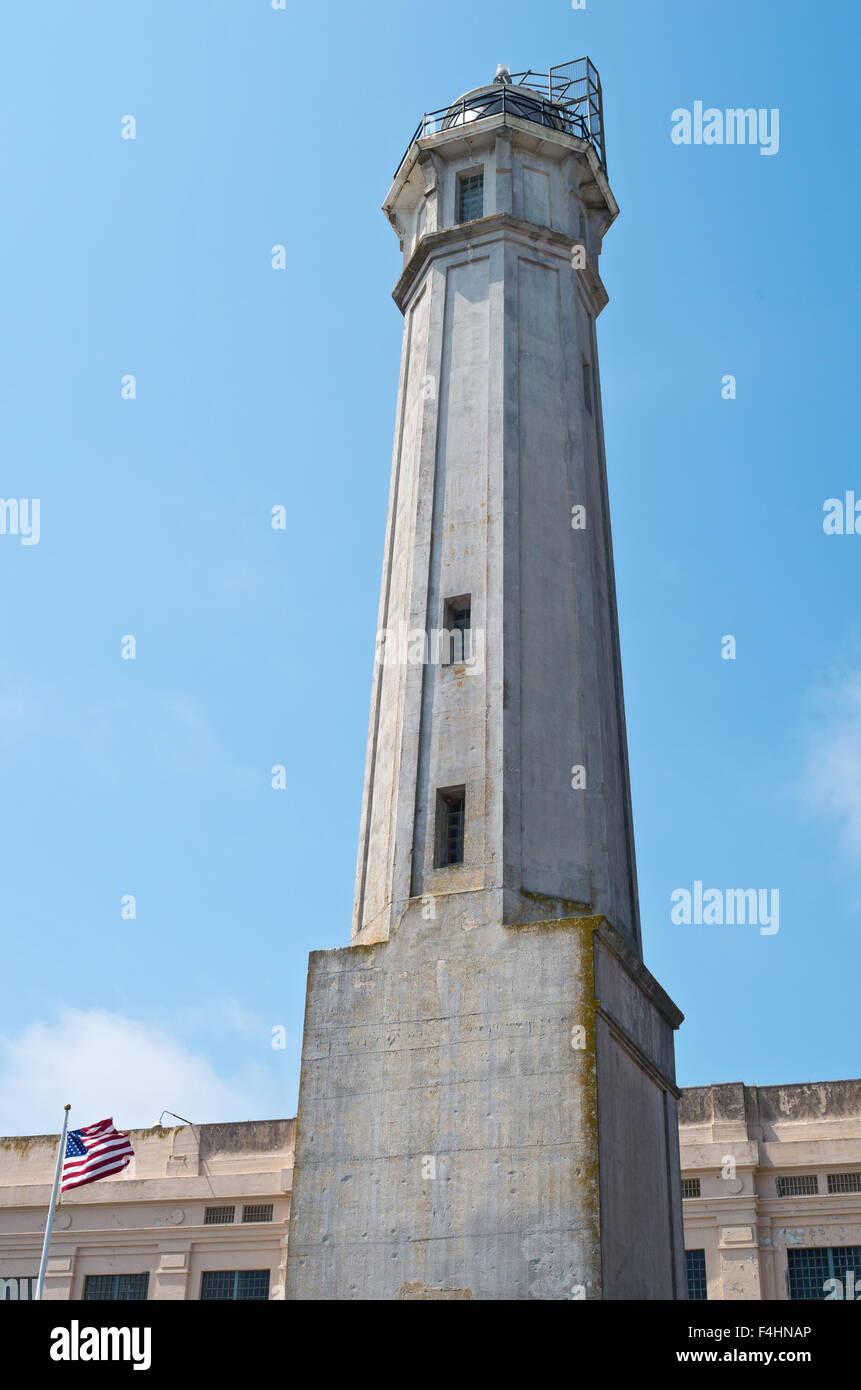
[172, 1190]
[139, 1239]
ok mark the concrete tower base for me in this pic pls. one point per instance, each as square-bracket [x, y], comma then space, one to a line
[490, 1114]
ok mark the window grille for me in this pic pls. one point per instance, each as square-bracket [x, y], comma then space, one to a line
[458, 616]
[450, 816]
[844, 1182]
[691, 1187]
[115, 1288]
[259, 1211]
[234, 1285]
[806, 1186]
[470, 197]
[15, 1287]
[809, 1270]
[218, 1216]
[695, 1269]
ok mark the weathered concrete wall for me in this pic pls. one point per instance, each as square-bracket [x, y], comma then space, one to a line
[641, 1227]
[389, 797]
[453, 712]
[448, 1133]
[448, 1055]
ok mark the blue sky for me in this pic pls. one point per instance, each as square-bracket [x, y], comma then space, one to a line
[258, 387]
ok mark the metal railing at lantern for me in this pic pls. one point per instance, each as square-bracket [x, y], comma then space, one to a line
[567, 97]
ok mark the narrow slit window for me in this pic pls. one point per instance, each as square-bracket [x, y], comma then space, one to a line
[470, 197]
[587, 386]
[456, 639]
[450, 825]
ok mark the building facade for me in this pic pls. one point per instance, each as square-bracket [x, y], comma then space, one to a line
[771, 1180]
[771, 1186]
[200, 1213]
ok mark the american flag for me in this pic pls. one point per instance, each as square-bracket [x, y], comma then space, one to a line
[93, 1153]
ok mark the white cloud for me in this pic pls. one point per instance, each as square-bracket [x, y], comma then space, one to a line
[105, 1064]
[832, 775]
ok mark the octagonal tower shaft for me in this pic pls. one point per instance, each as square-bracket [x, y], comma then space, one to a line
[498, 505]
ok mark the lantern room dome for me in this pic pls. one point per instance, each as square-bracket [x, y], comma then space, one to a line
[503, 95]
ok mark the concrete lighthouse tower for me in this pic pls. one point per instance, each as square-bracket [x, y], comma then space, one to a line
[487, 1106]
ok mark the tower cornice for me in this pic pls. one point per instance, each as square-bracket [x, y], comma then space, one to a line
[485, 230]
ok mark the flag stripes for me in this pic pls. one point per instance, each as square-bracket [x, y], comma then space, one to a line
[93, 1153]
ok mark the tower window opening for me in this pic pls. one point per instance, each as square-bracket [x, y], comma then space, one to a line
[456, 640]
[587, 386]
[450, 822]
[470, 197]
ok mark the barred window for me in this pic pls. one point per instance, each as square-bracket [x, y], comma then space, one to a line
[810, 1273]
[457, 620]
[691, 1187]
[260, 1211]
[234, 1285]
[806, 1186]
[587, 386]
[844, 1182]
[16, 1286]
[116, 1288]
[450, 818]
[470, 197]
[218, 1216]
[695, 1269]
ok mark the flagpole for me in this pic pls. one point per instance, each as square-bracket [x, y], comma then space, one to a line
[61, 1149]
